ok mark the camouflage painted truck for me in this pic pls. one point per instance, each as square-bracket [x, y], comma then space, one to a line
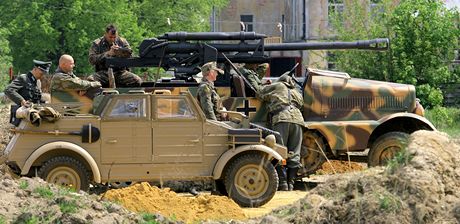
[342, 114]
[146, 137]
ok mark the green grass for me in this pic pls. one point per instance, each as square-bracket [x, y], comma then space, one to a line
[401, 159]
[44, 192]
[23, 184]
[68, 206]
[149, 218]
[445, 119]
[2, 219]
[389, 203]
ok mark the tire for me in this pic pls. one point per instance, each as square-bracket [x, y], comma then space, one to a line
[65, 171]
[386, 147]
[311, 154]
[251, 180]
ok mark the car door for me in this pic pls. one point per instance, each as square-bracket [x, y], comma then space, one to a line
[126, 130]
[177, 130]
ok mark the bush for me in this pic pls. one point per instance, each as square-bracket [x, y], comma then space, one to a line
[446, 119]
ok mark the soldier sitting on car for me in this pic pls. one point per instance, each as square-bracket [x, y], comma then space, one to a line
[65, 80]
[207, 96]
[25, 90]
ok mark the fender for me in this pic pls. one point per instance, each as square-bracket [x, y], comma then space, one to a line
[63, 145]
[228, 155]
[410, 115]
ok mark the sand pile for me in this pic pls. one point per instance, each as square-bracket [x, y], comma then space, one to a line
[143, 198]
[421, 185]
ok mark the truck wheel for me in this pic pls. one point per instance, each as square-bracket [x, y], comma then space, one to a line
[386, 147]
[65, 171]
[251, 180]
[311, 154]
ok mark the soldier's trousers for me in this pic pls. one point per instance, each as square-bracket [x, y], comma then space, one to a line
[123, 78]
[291, 136]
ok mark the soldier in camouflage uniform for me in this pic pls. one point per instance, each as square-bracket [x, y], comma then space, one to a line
[254, 74]
[284, 104]
[207, 96]
[25, 89]
[65, 80]
[108, 46]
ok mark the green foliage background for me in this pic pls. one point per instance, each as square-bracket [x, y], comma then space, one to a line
[423, 38]
[46, 29]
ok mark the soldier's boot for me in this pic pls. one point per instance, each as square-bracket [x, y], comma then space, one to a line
[282, 184]
[291, 177]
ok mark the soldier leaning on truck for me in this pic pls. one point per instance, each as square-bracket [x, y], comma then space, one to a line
[207, 96]
[64, 79]
[107, 46]
[25, 89]
[254, 74]
[284, 104]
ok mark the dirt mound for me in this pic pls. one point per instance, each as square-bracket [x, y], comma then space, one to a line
[142, 197]
[336, 166]
[421, 185]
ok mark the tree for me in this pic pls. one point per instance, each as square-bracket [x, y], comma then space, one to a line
[48, 28]
[423, 36]
[5, 59]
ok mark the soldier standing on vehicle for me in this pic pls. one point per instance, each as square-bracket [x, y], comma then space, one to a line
[284, 104]
[64, 79]
[111, 45]
[254, 74]
[25, 89]
[207, 96]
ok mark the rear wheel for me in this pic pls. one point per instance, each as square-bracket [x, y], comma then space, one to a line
[251, 180]
[67, 172]
[386, 147]
[311, 154]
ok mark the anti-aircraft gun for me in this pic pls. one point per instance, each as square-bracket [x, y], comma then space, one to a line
[342, 114]
[186, 52]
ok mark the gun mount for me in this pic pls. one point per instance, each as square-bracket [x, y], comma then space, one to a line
[186, 52]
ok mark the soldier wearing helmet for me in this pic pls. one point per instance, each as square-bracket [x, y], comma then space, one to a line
[284, 104]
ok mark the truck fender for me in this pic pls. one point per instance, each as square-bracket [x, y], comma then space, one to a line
[228, 155]
[63, 145]
[410, 115]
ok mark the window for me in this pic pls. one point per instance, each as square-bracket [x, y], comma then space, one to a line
[335, 10]
[248, 21]
[177, 108]
[124, 108]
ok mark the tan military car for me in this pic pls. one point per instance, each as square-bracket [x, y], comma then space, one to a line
[148, 137]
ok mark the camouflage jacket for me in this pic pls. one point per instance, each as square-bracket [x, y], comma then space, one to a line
[252, 77]
[68, 81]
[283, 101]
[24, 87]
[97, 52]
[209, 100]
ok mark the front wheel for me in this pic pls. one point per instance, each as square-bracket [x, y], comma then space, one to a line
[312, 153]
[386, 147]
[65, 171]
[251, 180]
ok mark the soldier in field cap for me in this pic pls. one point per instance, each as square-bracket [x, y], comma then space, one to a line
[25, 89]
[207, 96]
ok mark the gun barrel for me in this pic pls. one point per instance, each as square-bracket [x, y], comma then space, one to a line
[374, 44]
[182, 36]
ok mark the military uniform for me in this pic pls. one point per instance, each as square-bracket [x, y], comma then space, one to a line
[284, 104]
[207, 96]
[255, 77]
[25, 87]
[65, 81]
[97, 56]
[209, 100]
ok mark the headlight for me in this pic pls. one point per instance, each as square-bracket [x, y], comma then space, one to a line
[419, 110]
[270, 141]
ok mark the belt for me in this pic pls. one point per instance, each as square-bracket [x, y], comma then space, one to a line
[283, 108]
